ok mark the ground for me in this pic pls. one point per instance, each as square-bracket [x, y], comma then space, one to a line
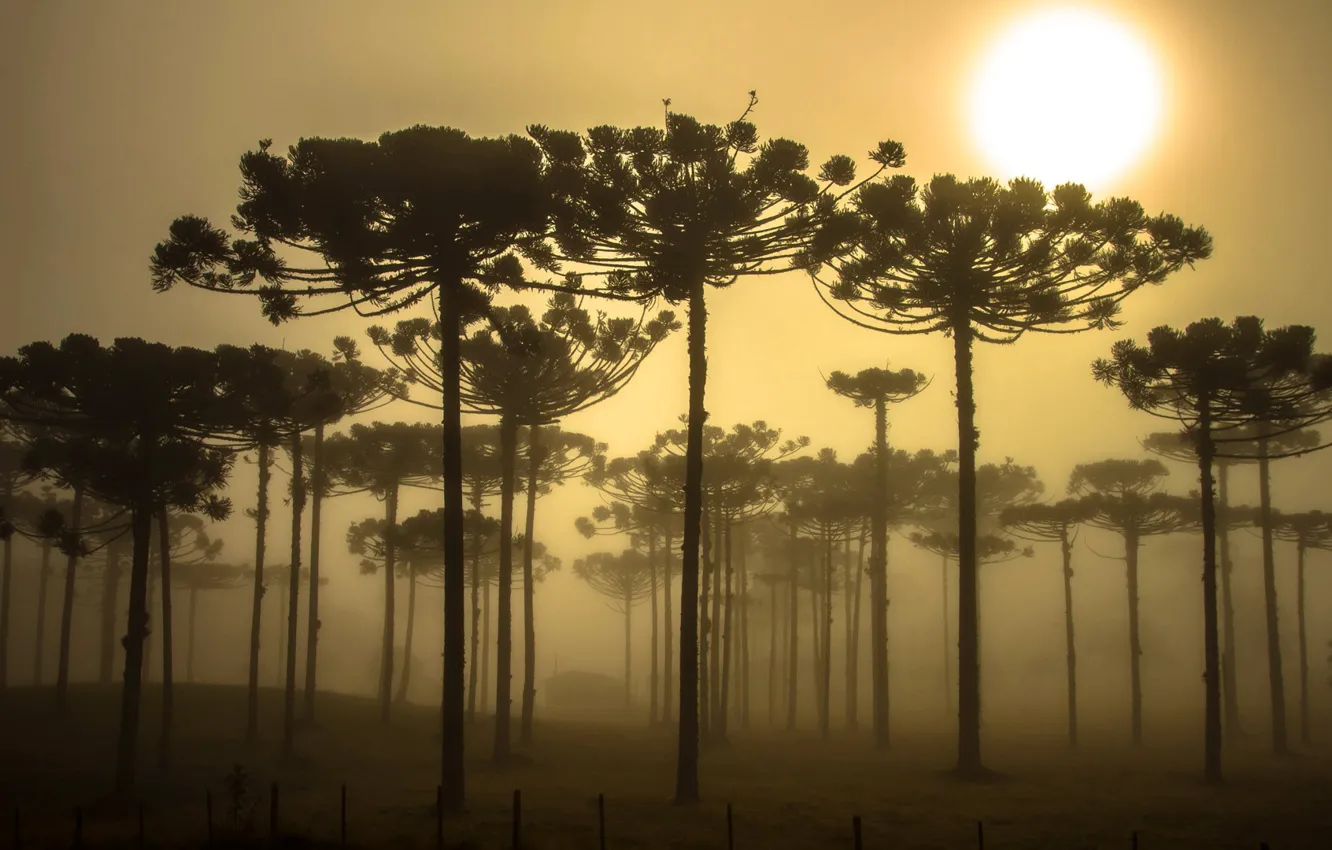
[786, 790]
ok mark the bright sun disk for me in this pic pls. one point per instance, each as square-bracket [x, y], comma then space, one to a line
[1066, 94]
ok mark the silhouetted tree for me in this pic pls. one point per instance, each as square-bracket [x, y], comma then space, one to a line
[1311, 530]
[1202, 377]
[667, 213]
[877, 388]
[11, 480]
[626, 580]
[984, 262]
[1056, 523]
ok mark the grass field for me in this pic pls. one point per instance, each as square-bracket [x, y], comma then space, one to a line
[786, 790]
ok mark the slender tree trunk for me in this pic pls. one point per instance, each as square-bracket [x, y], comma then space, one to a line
[1229, 675]
[1211, 676]
[168, 694]
[793, 648]
[1070, 652]
[706, 634]
[727, 642]
[534, 459]
[256, 607]
[1303, 644]
[628, 651]
[279, 660]
[6, 583]
[189, 637]
[148, 635]
[815, 637]
[947, 647]
[1275, 675]
[127, 744]
[293, 596]
[744, 629]
[879, 577]
[476, 631]
[67, 610]
[452, 769]
[390, 626]
[686, 776]
[853, 691]
[848, 607]
[668, 667]
[312, 622]
[652, 682]
[1131, 545]
[827, 635]
[405, 681]
[504, 658]
[968, 636]
[39, 647]
[716, 639]
[110, 592]
[772, 659]
[486, 647]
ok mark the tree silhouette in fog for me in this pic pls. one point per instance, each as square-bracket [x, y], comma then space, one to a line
[1310, 530]
[138, 415]
[667, 213]
[1056, 523]
[877, 388]
[1123, 496]
[419, 214]
[1202, 377]
[382, 459]
[983, 262]
[12, 479]
[625, 579]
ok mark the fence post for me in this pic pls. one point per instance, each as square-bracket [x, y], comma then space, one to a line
[980, 835]
[208, 806]
[730, 829]
[1135, 839]
[855, 830]
[517, 819]
[273, 811]
[601, 820]
[78, 826]
[439, 815]
[342, 817]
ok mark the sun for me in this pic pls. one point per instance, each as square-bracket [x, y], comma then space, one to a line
[1066, 94]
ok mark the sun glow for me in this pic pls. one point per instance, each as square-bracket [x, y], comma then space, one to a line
[1066, 94]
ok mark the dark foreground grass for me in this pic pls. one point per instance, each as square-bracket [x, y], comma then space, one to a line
[787, 790]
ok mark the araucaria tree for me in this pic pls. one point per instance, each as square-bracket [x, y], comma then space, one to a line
[421, 213]
[665, 214]
[1203, 378]
[877, 388]
[1123, 496]
[983, 262]
[1311, 530]
[625, 579]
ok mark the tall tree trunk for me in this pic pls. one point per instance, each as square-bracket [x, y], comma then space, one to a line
[727, 642]
[452, 769]
[168, 693]
[6, 583]
[686, 774]
[968, 635]
[390, 582]
[947, 644]
[1070, 652]
[148, 635]
[715, 637]
[67, 609]
[405, 681]
[1211, 676]
[476, 630]
[853, 691]
[668, 667]
[110, 592]
[279, 626]
[1303, 644]
[849, 650]
[772, 659]
[706, 634]
[830, 544]
[1229, 676]
[815, 638]
[744, 629]
[1131, 545]
[256, 606]
[294, 595]
[189, 637]
[39, 647]
[486, 646]
[1275, 677]
[628, 653]
[879, 577]
[312, 622]
[653, 672]
[793, 648]
[534, 459]
[504, 657]
[127, 744]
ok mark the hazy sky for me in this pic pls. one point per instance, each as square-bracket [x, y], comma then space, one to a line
[121, 116]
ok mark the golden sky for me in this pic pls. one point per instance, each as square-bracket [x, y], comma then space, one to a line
[120, 116]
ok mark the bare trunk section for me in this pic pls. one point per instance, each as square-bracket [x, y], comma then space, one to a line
[127, 744]
[1131, 544]
[1303, 644]
[312, 622]
[727, 643]
[668, 665]
[879, 578]
[793, 648]
[67, 610]
[6, 583]
[1211, 675]
[534, 459]
[110, 592]
[744, 630]
[256, 607]
[168, 694]
[1275, 675]
[827, 636]
[772, 659]
[390, 583]
[504, 656]
[190, 634]
[43, 583]
[293, 596]
[452, 768]
[947, 643]
[705, 632]
[686, 776]
[405, 681]
[968, 611]
[653, 672]
[715, 637]
[628, 650]
[1070, 653]
[1229, 678]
